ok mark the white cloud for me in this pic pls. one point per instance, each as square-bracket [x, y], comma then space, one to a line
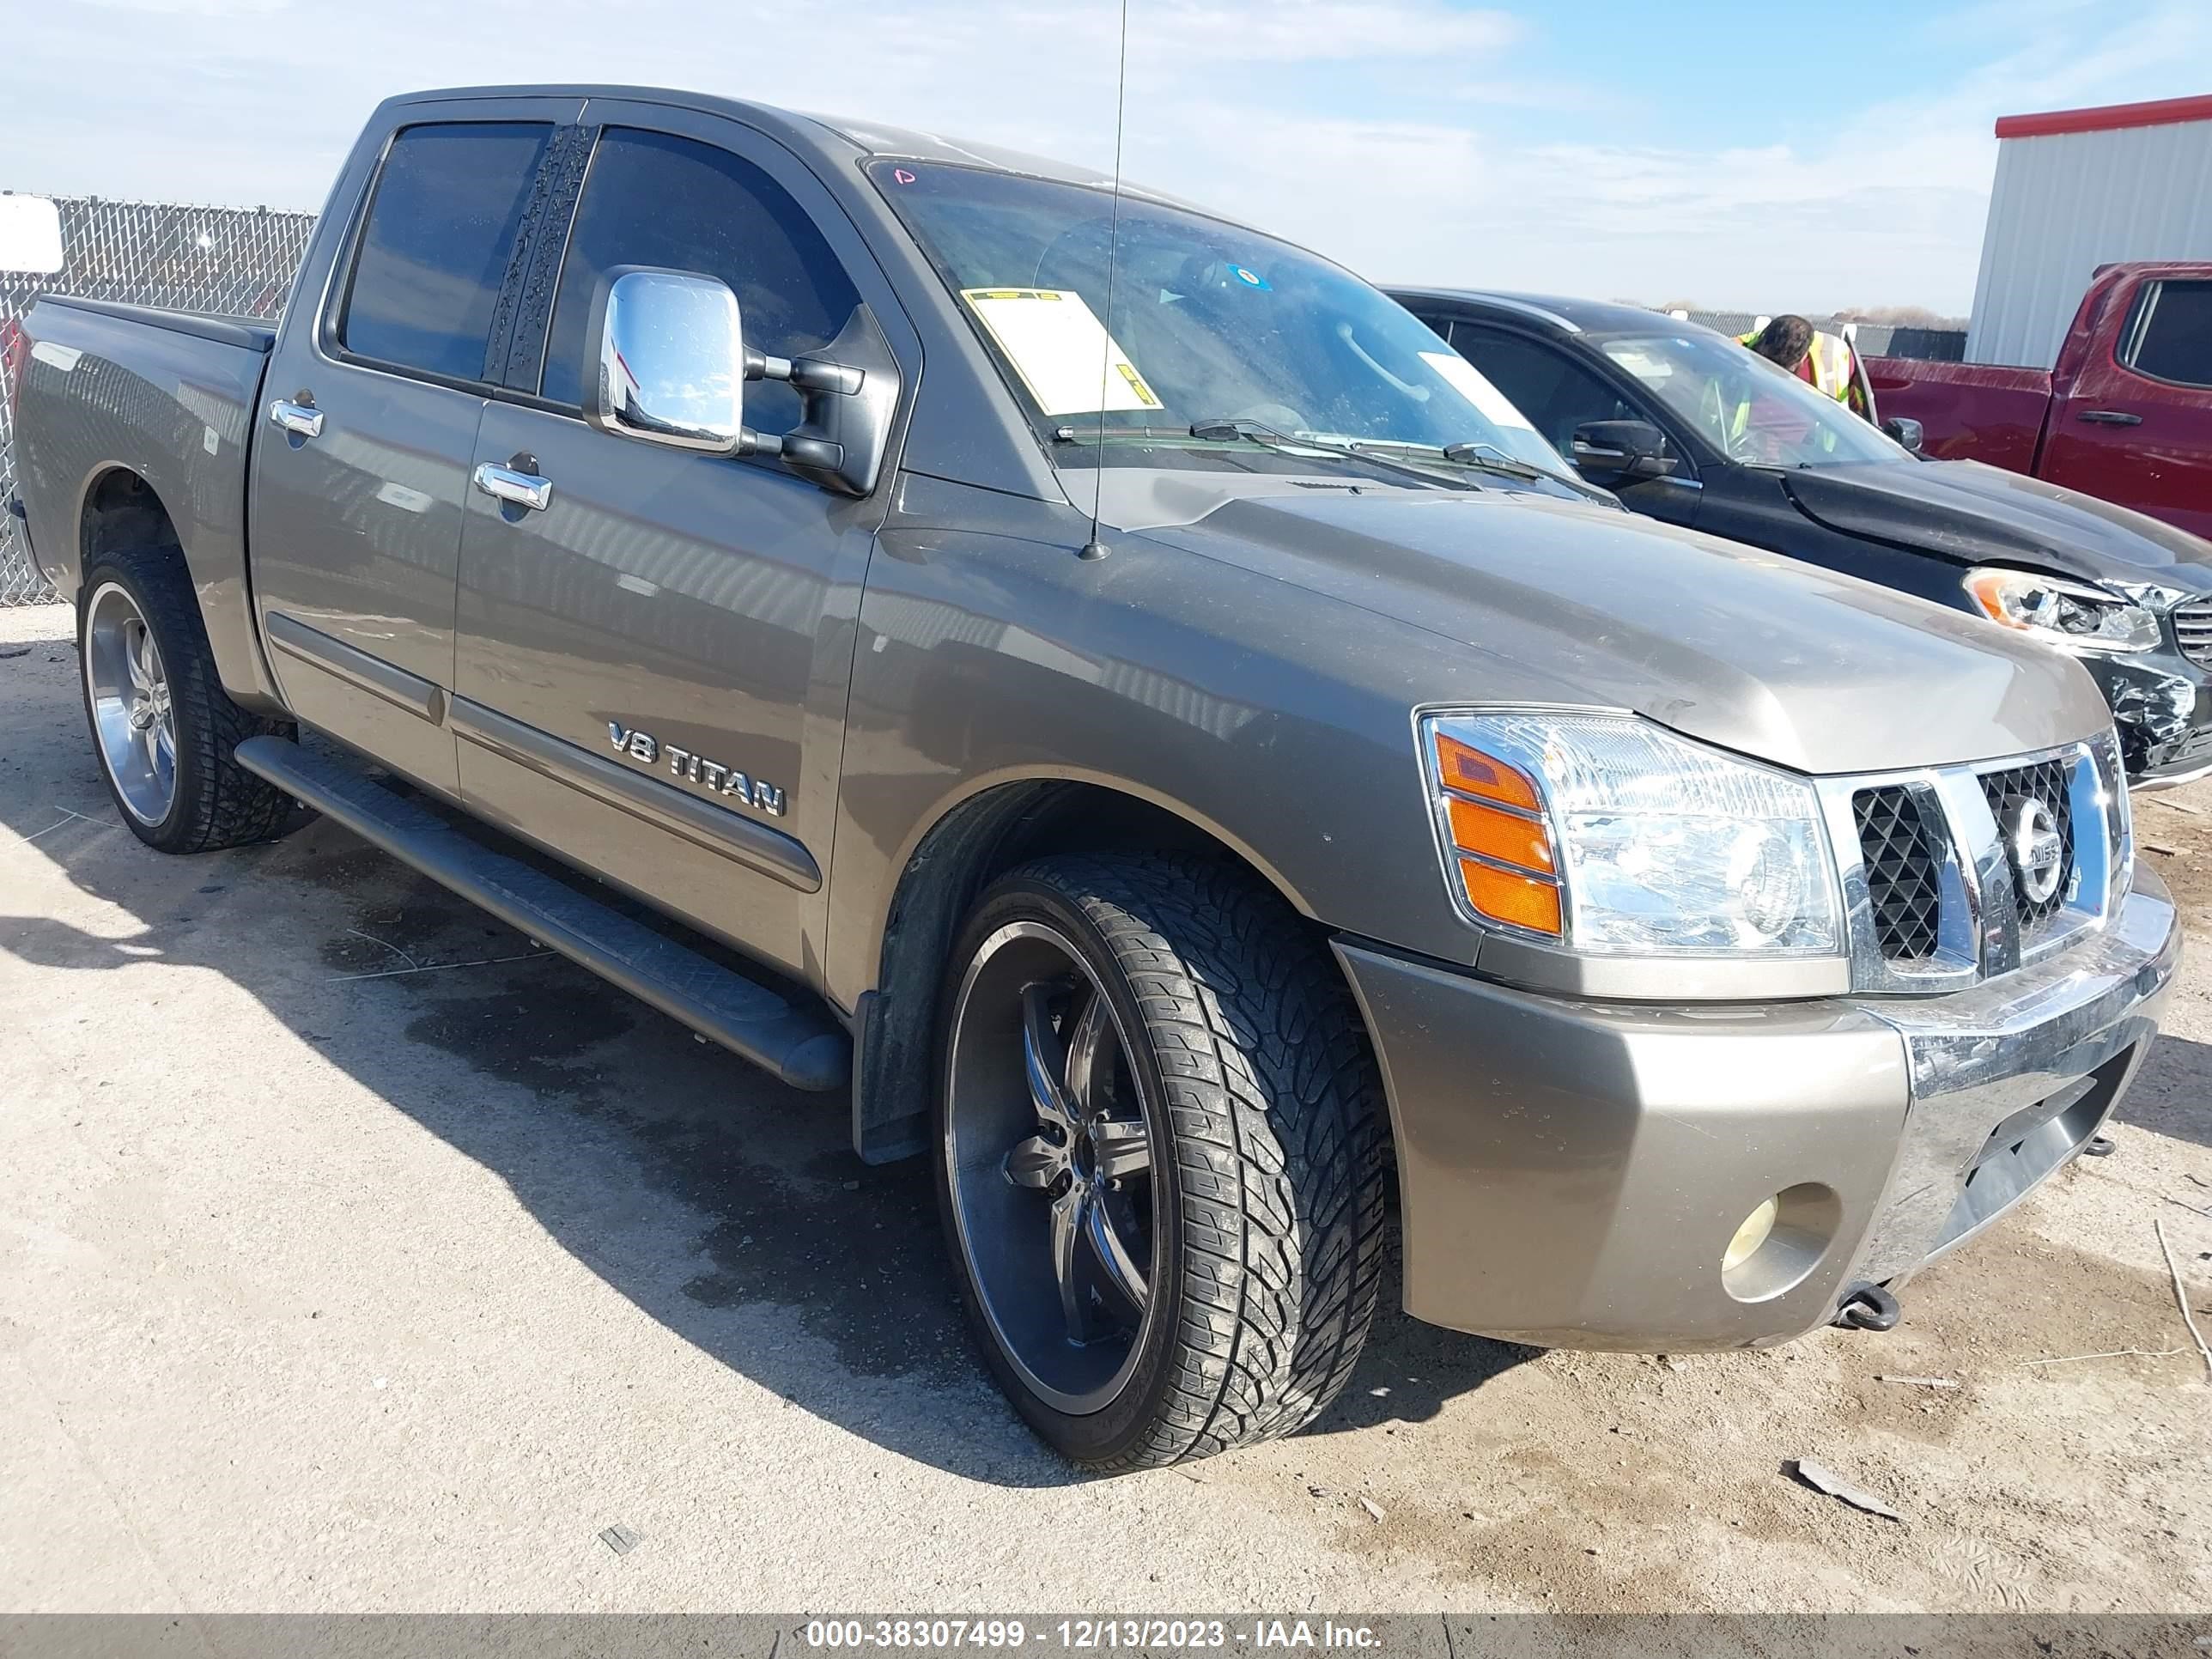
[196, 8]
[1195, 31]
[1523, 93]
[1407, 137]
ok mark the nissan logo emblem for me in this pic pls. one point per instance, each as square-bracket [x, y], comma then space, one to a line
[2038, 853]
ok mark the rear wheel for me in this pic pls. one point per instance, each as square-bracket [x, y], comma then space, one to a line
[1159, 1164]
[161, 725]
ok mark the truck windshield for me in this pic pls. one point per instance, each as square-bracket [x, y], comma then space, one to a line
[1752, 410]
[1211, 323]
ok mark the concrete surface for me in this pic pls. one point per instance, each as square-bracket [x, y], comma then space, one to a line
[334, 1275]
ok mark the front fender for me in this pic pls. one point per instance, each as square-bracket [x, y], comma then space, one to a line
[1275, 719]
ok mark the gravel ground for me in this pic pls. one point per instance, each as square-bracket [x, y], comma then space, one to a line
[354, 1256]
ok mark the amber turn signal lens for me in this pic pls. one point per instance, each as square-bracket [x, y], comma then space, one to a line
[1467, 770]
[1520, 841]
[1987, 589]
[1520, 901]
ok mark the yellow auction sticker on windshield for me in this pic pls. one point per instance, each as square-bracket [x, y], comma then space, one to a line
[1056, 344]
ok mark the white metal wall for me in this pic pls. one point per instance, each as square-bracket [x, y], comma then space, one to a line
[2065, 203]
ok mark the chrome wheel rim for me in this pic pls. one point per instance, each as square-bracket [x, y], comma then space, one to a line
[133, 718]
[1050, 1148]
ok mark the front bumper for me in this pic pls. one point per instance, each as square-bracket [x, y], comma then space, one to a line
[2162, 707]
[1571, 1172]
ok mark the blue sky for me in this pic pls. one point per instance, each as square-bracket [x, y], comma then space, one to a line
[1724, 153]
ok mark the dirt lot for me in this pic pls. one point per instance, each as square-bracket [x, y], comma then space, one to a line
[354, 1256]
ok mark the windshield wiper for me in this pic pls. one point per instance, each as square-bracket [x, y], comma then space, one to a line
[1093, 431]
[1253, 432]
[1491, 459]
[1487, 457]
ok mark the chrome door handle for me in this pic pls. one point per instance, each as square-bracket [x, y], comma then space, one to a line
[303, 420]
[523, 489]
[2111, 417]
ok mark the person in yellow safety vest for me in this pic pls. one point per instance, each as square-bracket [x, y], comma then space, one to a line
[1824, 361]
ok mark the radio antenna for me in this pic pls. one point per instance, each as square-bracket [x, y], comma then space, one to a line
[1095, 549]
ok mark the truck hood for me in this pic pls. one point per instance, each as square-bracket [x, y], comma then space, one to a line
[1563, 602]
[1975, 514]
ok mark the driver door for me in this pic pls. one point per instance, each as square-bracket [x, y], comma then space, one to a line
[653, 660]
[2136, 426]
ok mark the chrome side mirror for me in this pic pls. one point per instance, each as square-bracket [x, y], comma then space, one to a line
[667, 356]
[669, 365]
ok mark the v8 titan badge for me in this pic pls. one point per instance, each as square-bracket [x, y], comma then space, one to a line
[717, 778]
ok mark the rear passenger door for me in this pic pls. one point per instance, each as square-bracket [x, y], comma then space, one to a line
[653, 665]
[356, 506]
[2136, 426]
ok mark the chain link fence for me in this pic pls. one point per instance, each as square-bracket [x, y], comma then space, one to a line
[238, 261]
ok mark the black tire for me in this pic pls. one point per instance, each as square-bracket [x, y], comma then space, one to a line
[215, 803]
[1267, 1210]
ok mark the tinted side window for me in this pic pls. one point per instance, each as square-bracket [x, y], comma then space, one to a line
[433, 254]
[655, 199]
[1553, 391]
[2173, 342]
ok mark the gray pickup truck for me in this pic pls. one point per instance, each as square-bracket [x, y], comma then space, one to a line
[1121, 700]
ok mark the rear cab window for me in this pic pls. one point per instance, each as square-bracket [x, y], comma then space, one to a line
[433, 256]
[2170, 338]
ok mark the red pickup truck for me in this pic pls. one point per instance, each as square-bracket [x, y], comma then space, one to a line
[2126, 415]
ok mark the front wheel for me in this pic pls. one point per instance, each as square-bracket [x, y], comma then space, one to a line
[1159, 1158]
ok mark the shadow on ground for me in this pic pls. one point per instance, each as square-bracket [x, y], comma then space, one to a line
[2168, 1093]
[764, 1201]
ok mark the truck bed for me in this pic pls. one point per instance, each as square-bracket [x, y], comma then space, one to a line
[169, 396]
[1968, 411]
[251, 333]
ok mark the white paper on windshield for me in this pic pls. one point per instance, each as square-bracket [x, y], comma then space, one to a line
[1472, 385]
[30, 234]
[1060, 349]
[1646, 366]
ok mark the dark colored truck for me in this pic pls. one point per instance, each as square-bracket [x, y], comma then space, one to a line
[2125, 415]
[1180, 777]
[1686, 426]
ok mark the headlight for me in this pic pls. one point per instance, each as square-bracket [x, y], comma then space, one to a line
[1610, 836]
[2073, 614]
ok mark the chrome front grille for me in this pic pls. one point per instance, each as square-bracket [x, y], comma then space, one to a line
[2046, 784]
[1903, 864]
[2192, 631]
[1936, 893]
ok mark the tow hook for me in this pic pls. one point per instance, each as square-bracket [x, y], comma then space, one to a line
[2098, 1146]
[1867, 1308]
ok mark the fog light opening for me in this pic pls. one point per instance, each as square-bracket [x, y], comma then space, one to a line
[1780, 1242]
[1757, 1227]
